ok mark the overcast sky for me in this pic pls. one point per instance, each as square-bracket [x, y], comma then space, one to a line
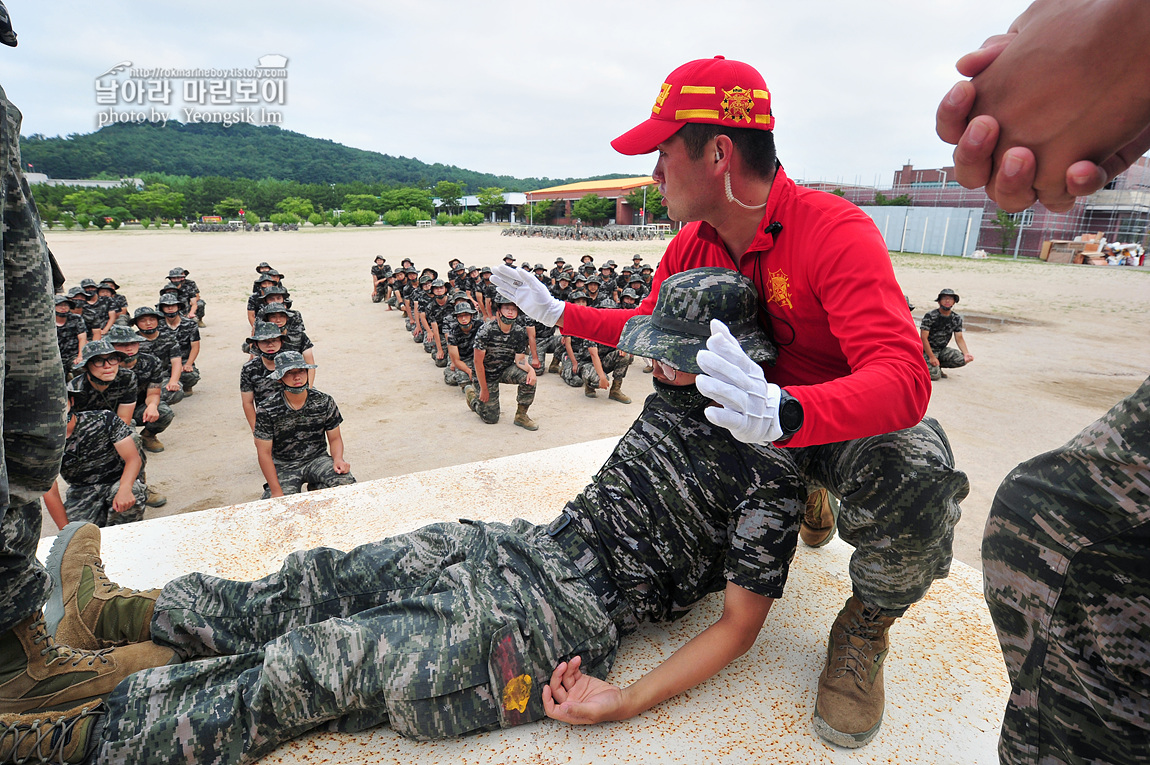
[527, 88]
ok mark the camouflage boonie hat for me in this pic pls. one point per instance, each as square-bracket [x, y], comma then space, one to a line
[473, 268]
[267, 310]
[501, 299]
[77, 292]
[110, 281]
[485, 270]
[273, 273]
[265, 330]
[169, 287]
[509, 256]
[947, 293]
[577, 295]
[286, 361]
[426, 279]
[438, 283]
[539, 267]
[263, 264]
[93, 349]
[121, 334]
[145, 310]
[559, 260]
[680, 324]
[563, 276]
[63, 299]
[177, 272]
[169, 299]
[465, 308]
[85, 283]
[629, 293]
[594, 280]
[275, 290]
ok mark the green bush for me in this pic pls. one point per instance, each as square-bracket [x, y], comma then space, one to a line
[315, 219]
[283, 219]
[68, 222]
[361, 217]
[406, 217]
[145, 223]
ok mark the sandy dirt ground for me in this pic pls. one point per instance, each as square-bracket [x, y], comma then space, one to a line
[1054, 348]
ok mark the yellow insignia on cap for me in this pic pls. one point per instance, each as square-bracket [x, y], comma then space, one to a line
[664, 91]
[517, 693]
[737, 104]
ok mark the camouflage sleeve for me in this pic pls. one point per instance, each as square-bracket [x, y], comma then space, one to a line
[246, 385]
[927, 322]
[334, 418]
[265, 428]
[118, 430]
[956, 323]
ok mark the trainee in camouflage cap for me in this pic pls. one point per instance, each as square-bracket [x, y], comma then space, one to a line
[947, 293]
[121, 334]
[177, 273]
[464, 308]
[95, 348]
[168, 299]
[267, 310]
[286, 361]
[146, 310]
[681, 322]
[110, 281]
[265, 330]
[86, 283]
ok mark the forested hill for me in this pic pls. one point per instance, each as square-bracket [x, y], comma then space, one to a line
[243, 151]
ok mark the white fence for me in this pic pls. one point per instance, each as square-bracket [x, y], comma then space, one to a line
[935, 230]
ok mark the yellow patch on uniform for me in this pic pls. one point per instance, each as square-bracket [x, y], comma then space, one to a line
[517, 693]
[664, 91]
[779, 288]
[737, 104]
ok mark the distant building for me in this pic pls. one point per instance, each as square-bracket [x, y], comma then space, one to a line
[617, 189]
[44, 180]
[1121, 211]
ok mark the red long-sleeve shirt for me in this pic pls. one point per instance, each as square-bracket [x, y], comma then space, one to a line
[848, 348]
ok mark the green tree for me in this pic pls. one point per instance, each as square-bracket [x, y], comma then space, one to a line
[156, 201]
[229, 207]
[83, 202]
[541, 212]
[490, 200]
[361, 202]
[1007, 226]
[281, 219]
[298, 206]
[449, 195]
[655, 207]
[361, 217]
[593, 208]
[405, 198]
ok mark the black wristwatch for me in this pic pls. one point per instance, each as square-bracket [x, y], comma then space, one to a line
[790, 415]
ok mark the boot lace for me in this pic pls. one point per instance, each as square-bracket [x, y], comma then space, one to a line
[854, 647]
[107, 583]
[31, 737]
[64, 654]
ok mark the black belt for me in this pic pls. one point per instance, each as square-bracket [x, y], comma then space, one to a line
[591, 567]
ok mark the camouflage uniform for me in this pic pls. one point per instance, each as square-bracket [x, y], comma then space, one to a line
[185, 333]
[189, 290]
[92, 467]
[31, 388]
[121, 390]
[256, 378]
[379, 272]
[1064, 557]
[68, 339]
[465, 343]
[499, 365]
[456, 628]
[437, 315]
[939, 330]
[299, 440]
[165, 348]
[150, 375]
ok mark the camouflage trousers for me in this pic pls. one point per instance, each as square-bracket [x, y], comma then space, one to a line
[615, 363]
[546, 345]
[378, 293]
[452, 376]
[429, 346]
[189, 378]
[511, 375]
[93, 503]
[948, 358]
[31, 383]
[451, 629]
[898, 495]
[1065, 565]
[159, 425]
[171, 397]
[391, 301]
[317, 473]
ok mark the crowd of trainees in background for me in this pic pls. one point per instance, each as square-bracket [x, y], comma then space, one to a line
[480, 339]
[123, 370]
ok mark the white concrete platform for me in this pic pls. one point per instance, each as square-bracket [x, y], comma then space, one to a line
[945, 679]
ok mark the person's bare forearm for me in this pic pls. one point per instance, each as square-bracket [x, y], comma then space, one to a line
[55, 506]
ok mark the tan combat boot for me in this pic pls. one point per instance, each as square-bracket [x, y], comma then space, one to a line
[472, 395]
[37, 675]
[150, 442]
[617, 393]
[850, 701]
[589, 389]
[553, 367]
[155, 498]
[50, 737]
[523, 420]
[819, 519]
[86, 610]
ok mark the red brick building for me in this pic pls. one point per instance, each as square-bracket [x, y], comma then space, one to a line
[616, 189]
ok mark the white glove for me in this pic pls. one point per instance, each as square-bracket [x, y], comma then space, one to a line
[528, 293]
[750, 403]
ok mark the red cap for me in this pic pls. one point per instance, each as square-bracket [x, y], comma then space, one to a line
[710, 90]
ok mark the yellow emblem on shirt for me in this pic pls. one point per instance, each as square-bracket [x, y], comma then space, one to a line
[517, 693]
[779, 288]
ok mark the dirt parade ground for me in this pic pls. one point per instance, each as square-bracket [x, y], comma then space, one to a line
[1054, 348]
